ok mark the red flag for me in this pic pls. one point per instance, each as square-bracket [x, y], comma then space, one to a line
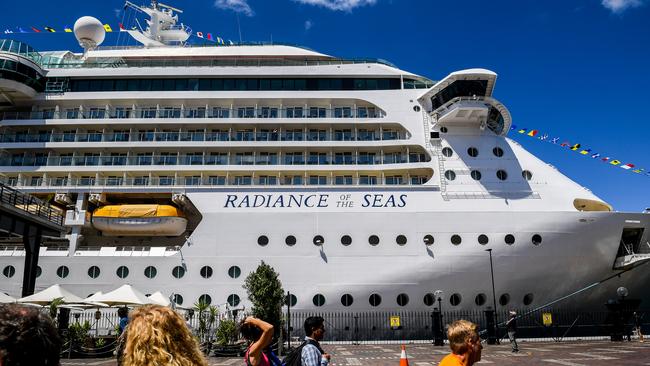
[210, 36]
[36, 30]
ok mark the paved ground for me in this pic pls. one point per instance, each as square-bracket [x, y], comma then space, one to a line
[585, 353]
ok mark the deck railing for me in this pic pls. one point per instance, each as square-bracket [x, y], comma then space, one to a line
[30, 204]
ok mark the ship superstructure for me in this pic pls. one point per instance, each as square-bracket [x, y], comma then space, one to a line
[364, 185]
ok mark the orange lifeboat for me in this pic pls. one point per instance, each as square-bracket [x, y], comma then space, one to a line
[139, 220]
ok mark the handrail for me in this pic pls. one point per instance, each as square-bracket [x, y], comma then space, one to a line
[30, 204]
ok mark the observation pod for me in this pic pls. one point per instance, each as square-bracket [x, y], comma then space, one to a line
[21, 76]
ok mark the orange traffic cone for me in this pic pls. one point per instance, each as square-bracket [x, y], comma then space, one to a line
[403, 360]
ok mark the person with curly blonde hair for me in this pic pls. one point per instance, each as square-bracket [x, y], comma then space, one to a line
[158, 336]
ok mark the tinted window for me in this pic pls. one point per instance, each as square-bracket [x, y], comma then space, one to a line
[206, 271]
[290, 240]
[374, 300]
[346, 300]
[318, 300]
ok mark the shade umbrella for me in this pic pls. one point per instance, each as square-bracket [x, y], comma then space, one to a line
[124, 295]
[51, 293]
[91, 301]
[6, 299]
[159, 299]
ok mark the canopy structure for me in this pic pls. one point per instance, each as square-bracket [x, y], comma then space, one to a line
[124, 295]
[159, 299]
[51, 293]
[92, 302]
[6, 299]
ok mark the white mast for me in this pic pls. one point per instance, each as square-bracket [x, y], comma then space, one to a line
[162, 28]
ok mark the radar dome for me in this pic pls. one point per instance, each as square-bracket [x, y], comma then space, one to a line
[89, 32]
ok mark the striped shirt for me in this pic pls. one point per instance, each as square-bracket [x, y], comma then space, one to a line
[311, 356]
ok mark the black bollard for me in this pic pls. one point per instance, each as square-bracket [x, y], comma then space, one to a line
[436, 327]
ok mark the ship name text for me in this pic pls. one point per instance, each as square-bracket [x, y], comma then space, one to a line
[321, 200]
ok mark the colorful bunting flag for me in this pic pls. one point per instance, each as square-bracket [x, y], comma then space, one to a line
[21, 30]
[35, 30]
[50, 29]
[67, 29]
[638, 170]
[605, 159]
[565, 144]
[575, 147]
[585, 152]
[523, 130]
[615, 162]
[122, 29]
[513, 127]
[7, 31]
[230, 43]
[108, 28]
[555, 140]
[532, 133]
[627, 166]
[543, 137]
[595, 156]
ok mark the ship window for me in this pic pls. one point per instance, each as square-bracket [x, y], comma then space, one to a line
[527, 175]
[93, 272]
[233, 300]
[509, 239]
[428, 239]
[472, 151]
[450, 175]
[206, 271]
[346, 240]
[528, 299]
[318, 300]
[416, 108]
[62, 271]
[455, 299]
[429, 299]
[262, 240]
[504, 299]
[291, 300]
[401, 239]
[290, 240]
[39, 271]
[480, 299]
[150, 272]
[205, 299]
[319, 240]
[402, 299]
[346, 300]
[502, 175]
[178, 299]
[9, 271]
[537, 239]
[373, 239]
[178, 272]
[447, 151]
[498, 152]
[234, 272]
[374, 300]
[475, 174]
[456, 239]
[483, 239]
[444, 129]
[122, 272]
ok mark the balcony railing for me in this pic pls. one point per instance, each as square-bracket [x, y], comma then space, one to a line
[30, 204]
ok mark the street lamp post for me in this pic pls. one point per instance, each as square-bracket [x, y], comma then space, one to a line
[494, 296]
[438, 326]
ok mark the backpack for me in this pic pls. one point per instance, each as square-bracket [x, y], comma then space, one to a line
[294, 358]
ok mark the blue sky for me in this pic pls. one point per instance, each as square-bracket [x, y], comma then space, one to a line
[576, 69]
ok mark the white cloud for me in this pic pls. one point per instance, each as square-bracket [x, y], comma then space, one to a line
[239, 6]
[308, 24]
[343, 5]
[619, 6]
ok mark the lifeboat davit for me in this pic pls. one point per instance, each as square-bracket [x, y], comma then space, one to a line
[139, 220]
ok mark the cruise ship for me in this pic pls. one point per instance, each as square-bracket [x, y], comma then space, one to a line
[181, 167]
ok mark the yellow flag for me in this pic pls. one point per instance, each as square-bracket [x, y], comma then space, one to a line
[615, 162]
[108, 27]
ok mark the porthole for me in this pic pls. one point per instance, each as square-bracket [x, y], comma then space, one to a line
[429, 299]
[502, 175]
[234, 272]
[416, 108]
[456, 239]
[93, 272]
[428, 239]
[401, 240]
[373, 240]
[122, 272]
[472, 151]
[206, 271]
[448, 152]
[178, 299]
[346, 240]
[205, 299]
[290, 240]
[9, 271]
[346, 300]
[319, 240]
[233, 300]
[504, 299]
[537, 239]
[509, 239]
[455, 299]
[527, 175]
[318, 300]
[150, 272]
[528, 299]
[178, 272]
[480, 299]
[62, 271]
[263, 240]
[402, 299]
[39, 271]
[483, 239]
[292, 300]
[475, 174]
[444, 129]
[374, 300]
[498, 152]
[450, 175]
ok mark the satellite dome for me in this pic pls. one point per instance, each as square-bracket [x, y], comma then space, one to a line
[89, 32]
